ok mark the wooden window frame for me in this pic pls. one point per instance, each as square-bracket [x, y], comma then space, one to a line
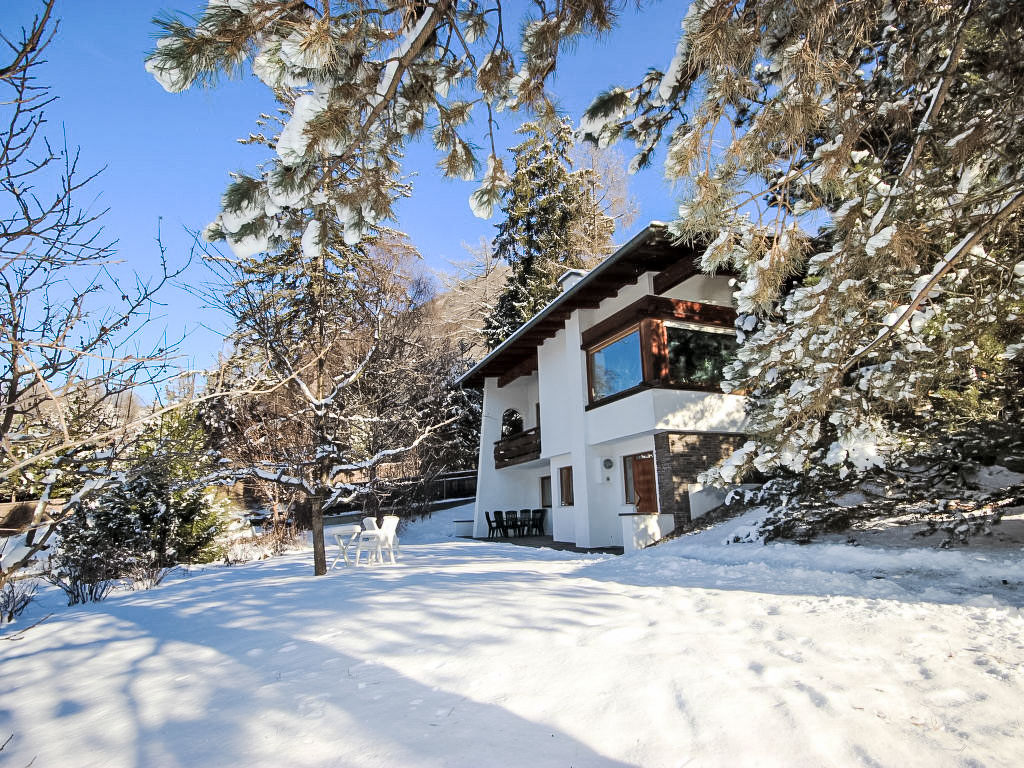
[591, 351]
[565, 481]
[648, 316]
[550, 497]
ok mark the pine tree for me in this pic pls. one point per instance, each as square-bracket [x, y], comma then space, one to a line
[361, 79]
[894, 130]
[551, 215]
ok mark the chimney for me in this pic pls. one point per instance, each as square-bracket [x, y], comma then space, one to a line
[570, 277]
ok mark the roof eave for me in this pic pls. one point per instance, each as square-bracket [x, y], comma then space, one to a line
[652, 230]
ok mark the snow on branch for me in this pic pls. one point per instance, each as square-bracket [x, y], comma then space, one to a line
[968, 242]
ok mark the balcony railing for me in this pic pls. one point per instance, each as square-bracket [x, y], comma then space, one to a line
[524, 446]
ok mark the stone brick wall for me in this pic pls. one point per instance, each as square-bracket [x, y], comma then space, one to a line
[679, 457]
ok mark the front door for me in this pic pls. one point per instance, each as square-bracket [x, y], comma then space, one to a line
[645, 489]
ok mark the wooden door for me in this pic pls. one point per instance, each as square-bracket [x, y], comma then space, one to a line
[644, 486]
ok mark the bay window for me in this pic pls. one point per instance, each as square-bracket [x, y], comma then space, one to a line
[658, 345]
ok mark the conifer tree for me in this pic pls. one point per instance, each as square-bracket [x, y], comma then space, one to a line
[859, 164]
[359, 79]
[551, 215]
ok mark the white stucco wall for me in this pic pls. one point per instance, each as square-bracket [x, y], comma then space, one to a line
[666, 409]
[639, 531]
[625, 296]
[554, 360]
[607, 491]
[515, 487]
[703, 288]
[703, 499]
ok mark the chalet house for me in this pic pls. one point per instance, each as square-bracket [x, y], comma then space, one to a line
[606, 405]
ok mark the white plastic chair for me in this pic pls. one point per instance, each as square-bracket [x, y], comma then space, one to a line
[389, 535]
[371, 541]
[375, 540]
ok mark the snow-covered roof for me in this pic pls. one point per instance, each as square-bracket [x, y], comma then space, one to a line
[649, 250]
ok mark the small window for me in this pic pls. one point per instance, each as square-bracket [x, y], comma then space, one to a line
[565, 486]
[698, 355]
[616, 366]
[545, 491]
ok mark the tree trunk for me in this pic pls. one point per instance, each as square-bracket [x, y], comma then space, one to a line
[319, 550]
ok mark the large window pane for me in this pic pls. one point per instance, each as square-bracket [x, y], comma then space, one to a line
[696, 358]
[616, 367]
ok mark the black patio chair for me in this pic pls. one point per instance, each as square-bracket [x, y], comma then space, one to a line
[512, 522]
[500, 523]
[525, 522]
[493, 529]
[537, 521]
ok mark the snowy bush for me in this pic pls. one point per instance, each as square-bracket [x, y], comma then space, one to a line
[273, 541]
[15, 597]
[95, 552]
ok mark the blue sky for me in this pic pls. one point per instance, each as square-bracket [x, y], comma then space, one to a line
[167, 156]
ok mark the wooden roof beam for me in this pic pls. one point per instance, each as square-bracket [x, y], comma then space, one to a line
[683, 269]
[523, 368]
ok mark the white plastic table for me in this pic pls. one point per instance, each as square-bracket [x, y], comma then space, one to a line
[345, 535]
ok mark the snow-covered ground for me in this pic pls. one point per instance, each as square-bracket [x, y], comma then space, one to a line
[476, 654]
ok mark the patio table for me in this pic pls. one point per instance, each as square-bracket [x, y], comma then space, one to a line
[344, 535]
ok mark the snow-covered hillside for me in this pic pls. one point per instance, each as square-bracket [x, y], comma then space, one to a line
[476, 654]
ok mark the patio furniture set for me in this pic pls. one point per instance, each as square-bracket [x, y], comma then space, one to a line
[509, 523]
[372, 539]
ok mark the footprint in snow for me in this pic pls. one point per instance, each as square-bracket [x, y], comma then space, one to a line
[817, 699]
[310, 706]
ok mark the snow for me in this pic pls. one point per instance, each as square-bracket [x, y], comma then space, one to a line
[311, 241]
[249, 246]
[409, 36]
[171, 78]
[293, 142]
[479, 654]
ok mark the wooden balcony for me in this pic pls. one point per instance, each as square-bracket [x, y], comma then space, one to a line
[517, 449]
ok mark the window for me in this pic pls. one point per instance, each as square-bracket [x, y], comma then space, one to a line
[627, 478]
[658, 342]
[697, 354]
[616, 365]
[565, 486]
[545, 491]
